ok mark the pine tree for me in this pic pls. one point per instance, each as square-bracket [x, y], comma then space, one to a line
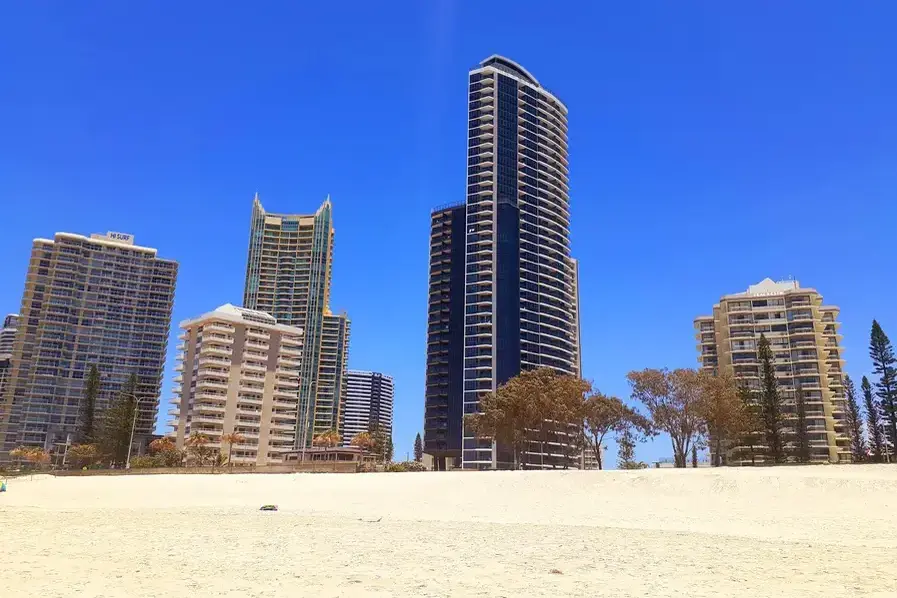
[770, 401]
[885, 367]
[802, 436]
[873, 422]
[751, 424]
[854, 423]
[88, 413]
[418, 448]
[694, 456]
[118, 420]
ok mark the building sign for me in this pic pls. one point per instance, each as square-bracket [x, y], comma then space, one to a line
[120, 237]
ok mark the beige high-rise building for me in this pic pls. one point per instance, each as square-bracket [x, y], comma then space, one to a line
[803, 335]
[101, 300]
[238, 371]
[288, 275]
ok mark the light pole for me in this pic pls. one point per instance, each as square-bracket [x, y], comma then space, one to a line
[133, 425]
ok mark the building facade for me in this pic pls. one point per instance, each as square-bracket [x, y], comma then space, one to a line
[8, 334]
[238, 372]
[369, 402]
[803, 335]
[288, 275]
[100, 300]
[445, 337]
[520, 281]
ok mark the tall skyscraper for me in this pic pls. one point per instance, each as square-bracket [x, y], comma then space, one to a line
[288, 275]
[100, 300]
[368, 404]
[445, 337]
[238, 371]
[803, 335]
[520, 280]
[8, 334]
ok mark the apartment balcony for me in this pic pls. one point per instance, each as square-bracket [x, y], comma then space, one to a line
[207, 349]
[253, 366]
[290, 349]
[211, 385]
[261, 336]
[176, 413]
[244, 400]
[179, 379]
[207, 419]
[213, 407]
[202, 395]
[222, 362]
[181, 346]
[218, 327]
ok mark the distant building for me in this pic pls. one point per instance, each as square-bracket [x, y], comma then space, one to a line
[519, 294]
[101, 301]
[288, 275]
[369, 404]
[445, 338]
[8, 334]
[238, 371]
[803, 335]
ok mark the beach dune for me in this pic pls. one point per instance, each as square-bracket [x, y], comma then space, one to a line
[784, 532]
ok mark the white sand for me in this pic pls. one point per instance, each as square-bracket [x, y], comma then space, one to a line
[785, 532]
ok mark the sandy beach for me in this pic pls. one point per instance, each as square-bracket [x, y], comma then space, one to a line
[784, 532]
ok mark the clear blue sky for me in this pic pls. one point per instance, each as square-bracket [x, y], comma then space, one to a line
[711, 146]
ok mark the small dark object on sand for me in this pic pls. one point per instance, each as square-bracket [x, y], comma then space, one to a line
[556, 572]
[371, 520]
[268, 508]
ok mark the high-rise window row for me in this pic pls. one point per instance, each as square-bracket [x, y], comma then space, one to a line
[98, 300]
[807, 354]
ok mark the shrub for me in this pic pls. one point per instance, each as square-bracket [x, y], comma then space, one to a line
[406, 466]
[146, 461]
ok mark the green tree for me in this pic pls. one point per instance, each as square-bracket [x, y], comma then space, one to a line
[605, 415]
[88, 412]
[752, 424]
[858, 445]
[418, 448]
[723, 412]
[167, 452]
[770, 402]
[694, 455]
[873, 422]
[884, 365]
[390, 449]
[118, 421]
[801, 434]
[82, 455]
[672, 400]
[199, 446]
[626, 451]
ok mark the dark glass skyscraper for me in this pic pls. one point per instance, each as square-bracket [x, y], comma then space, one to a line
[520, 288]
[445, 337]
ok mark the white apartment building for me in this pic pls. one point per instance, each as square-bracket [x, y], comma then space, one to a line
[369, 400]
[238, 371]
[803, 335]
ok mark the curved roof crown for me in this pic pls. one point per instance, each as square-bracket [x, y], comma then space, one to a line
[510, 66]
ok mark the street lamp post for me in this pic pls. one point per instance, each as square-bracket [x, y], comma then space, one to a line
[133, 425]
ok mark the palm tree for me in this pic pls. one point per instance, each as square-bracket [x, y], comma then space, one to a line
[232, 439]
[328, 439]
